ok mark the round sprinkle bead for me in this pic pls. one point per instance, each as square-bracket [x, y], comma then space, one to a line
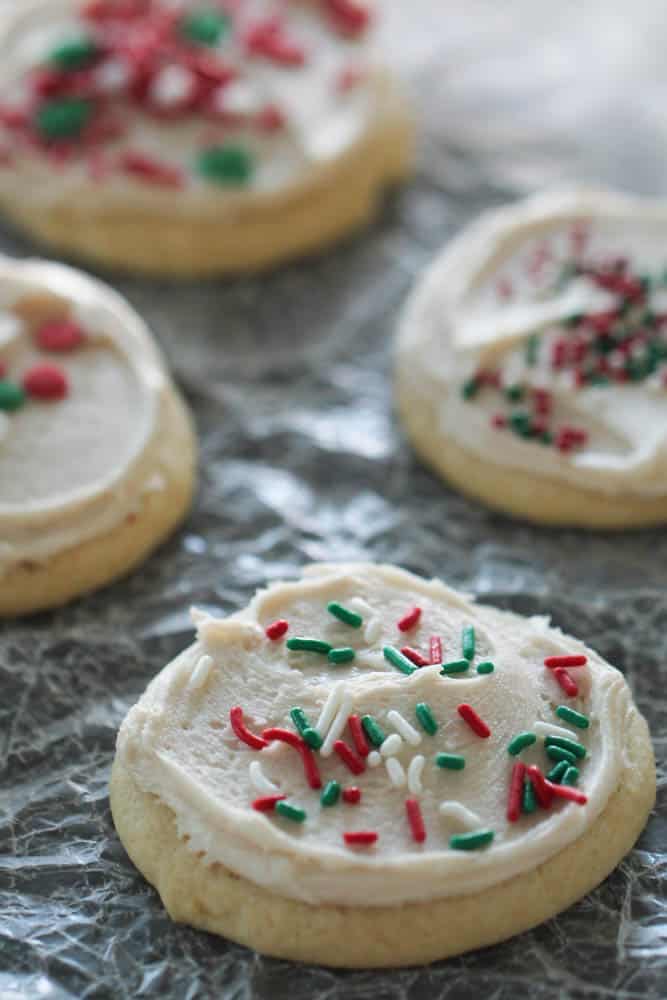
[46, 382]
[227, 165]
[77, 53]
[352, 795]
[60, 336]
[12, 396]
[64, 118]
[276, 630]
[205, 27]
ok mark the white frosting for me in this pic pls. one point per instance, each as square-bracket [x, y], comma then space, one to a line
[324, 121]
[178, 744]
[74, 468]
[457, 323]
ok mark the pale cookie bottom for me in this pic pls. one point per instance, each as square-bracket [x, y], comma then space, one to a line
[32, 586]
[514, 491]
[338, 199]
[215, 899]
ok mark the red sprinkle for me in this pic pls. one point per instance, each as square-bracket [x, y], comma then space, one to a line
[244, 734]
[352, 795]
[358, 736]
[360, 838]
[47, 382]
[3, 369]
[268, 41]
[59, 336]
[575, 660]
[350, 17]
[416, 820]
[566, 792]
[543, 792]
[567, 682]
[435, 649]
[478, 726]
[270, 119]
[498, 421]
[354, 763]
[153, 172]
[277, 629]
[409, 621]
[307, 756]
[415, 656]
[516, 792]
[267, 802]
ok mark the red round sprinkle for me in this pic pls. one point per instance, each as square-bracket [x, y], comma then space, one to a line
[349, 758]
[573, 660]
[267, 40]
[516, 792]
[568, 683]
[270, 119]
[47, 382]
[244, 734]
[409, 621]
[307, 756]
[59, 336]
[415, 656]
[267, 802]
[478, 726]
[416, 820]
[348, 16]
[358, 736]
[352, 795]
[277, 629]
[543, 793]
[360, 838]
[498, 421]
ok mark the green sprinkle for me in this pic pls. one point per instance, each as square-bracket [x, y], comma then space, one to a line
[341, 655]
[574, 319]
[330, 794]
[77, 53]
[205, 26]
[571, 776]
[486, 667]
[556, 773]
[312, 738]
[470, 841]
[344, 614]
[12, 395]
[455, 667]
[227, 165]
[290, 812]
[559, 754]
[470, 388]
[521, 423]
[308, 645]
[576, 718]
[306, 731]
[546, 437]
[396, 658]
[468, 642]
[426, 718]
[63, 118]
[520, 742]
[529, 804]
[450, 761]
[375, 734]
[515, 393]
[560, 741]
[532, 346]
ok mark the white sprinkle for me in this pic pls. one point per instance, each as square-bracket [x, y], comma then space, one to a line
[199, 675]
[374, 759]
[112, 76]
[361, 606]
[373, 630]
[172, 85]
[391, 745]
[548, 729]
[338, 724]
[237, 98]
[415, 774]
[395, 772]
[460, 814]
[330, 708]
[402, 726]
[259, 780]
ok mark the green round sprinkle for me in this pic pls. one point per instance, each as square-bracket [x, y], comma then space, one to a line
[520, 742]
[559, 754]
[297, 643]
[470, 388]
[571, 776]
[226, 165]
[455, 667]
[486, 667]
[529, 804]
[468, 642]
[560, 741]
[396, 658]
[450, 761]
[375, 734]
[515, 393]
[344, 614]
[426, 718]
[576, 718]
[294, 813]
[63, 118]
[331, 794]
[556, 773]
[205, 26]
[470, 841]
[342, 655]
[574, 319]
[77, 53]
[12, 395]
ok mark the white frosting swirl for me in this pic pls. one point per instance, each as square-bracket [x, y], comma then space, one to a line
[74, 468]
[177, 742]
[489, 292]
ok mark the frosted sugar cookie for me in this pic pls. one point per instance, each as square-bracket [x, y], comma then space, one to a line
[363, 768]
[531, 364]
[197, 136]
[96, 447]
